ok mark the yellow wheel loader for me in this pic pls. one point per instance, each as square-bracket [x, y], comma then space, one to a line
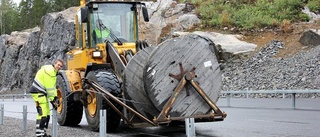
[142, 85]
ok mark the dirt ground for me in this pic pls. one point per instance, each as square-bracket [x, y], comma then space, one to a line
[289, 35]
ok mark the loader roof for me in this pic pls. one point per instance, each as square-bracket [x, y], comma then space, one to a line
[123, 0]
[82, 2]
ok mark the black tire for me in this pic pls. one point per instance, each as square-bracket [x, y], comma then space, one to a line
[96, 102]
[69, 113]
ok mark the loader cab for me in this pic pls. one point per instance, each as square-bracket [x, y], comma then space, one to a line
[112, 20]
[119, 20]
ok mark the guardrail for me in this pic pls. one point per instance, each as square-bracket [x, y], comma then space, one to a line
[24, 115]
[226, 94]
[24, 120]
[292, 92]
[14, 96]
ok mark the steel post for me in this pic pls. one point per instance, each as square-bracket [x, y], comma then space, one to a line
[190, 129]
[25, 96]
[25, 111]
[1, 113]
[54, 123]
[228, 99]
[294, 100]
[103, 123]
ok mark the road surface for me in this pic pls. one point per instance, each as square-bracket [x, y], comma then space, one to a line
[245, 117]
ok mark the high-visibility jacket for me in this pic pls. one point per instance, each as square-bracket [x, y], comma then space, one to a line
[45, 82]
[102, 34]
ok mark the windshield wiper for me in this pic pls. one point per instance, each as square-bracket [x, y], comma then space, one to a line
[112, 35]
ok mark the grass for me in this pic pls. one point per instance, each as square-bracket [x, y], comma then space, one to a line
[252, 14]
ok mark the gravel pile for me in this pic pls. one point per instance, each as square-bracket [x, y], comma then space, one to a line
[264, 71]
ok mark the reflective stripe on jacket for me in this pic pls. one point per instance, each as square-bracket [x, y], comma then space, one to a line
[45, 81]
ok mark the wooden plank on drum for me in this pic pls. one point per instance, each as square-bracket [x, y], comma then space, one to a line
[133, 84]
[192, 51]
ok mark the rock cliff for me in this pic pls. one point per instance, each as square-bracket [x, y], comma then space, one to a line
[22, 53]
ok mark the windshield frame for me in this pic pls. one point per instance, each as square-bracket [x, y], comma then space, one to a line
[119, 18]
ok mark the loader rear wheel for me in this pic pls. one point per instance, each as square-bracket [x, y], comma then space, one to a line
[69, 113]
[96, 102]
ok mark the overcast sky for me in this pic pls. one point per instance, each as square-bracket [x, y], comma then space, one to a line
[16, 1]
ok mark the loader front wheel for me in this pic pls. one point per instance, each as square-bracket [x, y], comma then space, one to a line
[69, 112]
[96, 101]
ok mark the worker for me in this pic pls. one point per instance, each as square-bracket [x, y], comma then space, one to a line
[101, 32]
[42, 89]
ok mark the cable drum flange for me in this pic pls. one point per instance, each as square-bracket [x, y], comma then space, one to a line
[192, 51]
[133, 83]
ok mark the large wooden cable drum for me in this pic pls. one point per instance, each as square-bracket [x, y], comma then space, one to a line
[148, 85]
[192, 51]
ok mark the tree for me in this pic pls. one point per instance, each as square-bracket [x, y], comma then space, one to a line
[38, 10]
[25, 14]
[8, 16]
[60, 5]
[29, 13]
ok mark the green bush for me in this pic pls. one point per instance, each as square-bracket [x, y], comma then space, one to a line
[254, 16]
[314, 6]
[288, 9]
[250, 14]
[214, 14]
[304, 17]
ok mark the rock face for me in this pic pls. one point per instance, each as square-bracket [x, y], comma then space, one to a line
[22, 53]
[169, 17]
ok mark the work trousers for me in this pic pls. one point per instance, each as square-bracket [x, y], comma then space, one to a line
[43, 116]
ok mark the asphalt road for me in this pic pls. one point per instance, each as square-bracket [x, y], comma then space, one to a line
[266, 118]
[245, 117]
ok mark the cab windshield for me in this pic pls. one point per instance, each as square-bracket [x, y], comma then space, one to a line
[112, 19]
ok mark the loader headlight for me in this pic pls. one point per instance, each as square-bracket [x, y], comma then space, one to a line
[96, 54]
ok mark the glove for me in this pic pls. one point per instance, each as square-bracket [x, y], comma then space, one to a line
[55, 103]
[39, 110]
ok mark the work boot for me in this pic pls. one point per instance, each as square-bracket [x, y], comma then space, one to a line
[45, 135]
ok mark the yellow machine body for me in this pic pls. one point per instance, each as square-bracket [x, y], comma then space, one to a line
[106, 39]
[119, 17]
[78, 58]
